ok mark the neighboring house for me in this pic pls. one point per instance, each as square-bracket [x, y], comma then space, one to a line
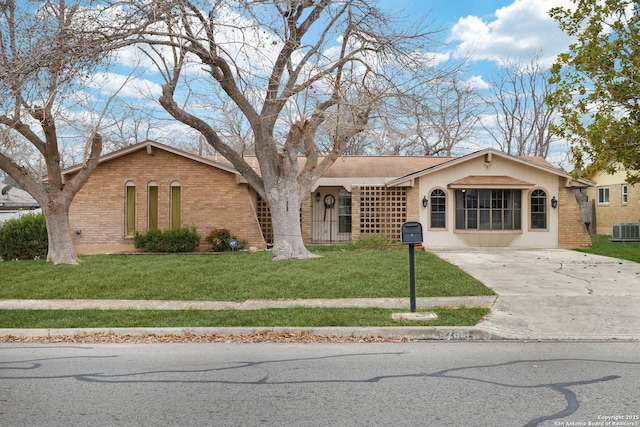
[487, 198]
[15, 202]
[615, 201]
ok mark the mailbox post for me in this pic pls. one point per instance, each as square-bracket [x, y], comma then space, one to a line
[412, 234]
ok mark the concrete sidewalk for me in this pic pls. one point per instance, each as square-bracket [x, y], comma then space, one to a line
[545, 294]
[399, 303]
[402, 304]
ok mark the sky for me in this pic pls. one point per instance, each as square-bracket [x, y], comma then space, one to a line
[492, 32]
[487, 33]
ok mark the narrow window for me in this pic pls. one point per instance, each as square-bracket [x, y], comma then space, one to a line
[603, 195]
[624, 194]
[538, 209]
[175, 205]
[344, 212]
[152, 205]
[438, 209]
[130, 209]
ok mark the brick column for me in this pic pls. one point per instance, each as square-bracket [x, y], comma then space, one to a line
[355, 213]
[414, 202]
[305, 218]
[572, 232]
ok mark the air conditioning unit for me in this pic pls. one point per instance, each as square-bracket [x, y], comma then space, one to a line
[625, 232]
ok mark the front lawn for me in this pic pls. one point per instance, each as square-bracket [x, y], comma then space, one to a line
[602, 245]
[340, 273]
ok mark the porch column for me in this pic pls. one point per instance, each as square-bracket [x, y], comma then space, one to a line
[355, 212]
[305, 219]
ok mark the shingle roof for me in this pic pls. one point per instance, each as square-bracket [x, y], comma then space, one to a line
[489, 181]
[380, 166]
[15, 198]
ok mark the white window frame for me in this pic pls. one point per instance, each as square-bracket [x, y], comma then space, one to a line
[603, 193]
[625, 194]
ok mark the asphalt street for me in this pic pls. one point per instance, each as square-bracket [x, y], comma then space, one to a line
[452, 383]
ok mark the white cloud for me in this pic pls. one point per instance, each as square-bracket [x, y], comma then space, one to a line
[128, 86]
[518, 30]
[477, 82]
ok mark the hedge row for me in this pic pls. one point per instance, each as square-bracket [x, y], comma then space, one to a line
[24, 238]
[182, 239]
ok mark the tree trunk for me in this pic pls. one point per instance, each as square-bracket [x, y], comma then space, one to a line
[61, 249]
[284, 206]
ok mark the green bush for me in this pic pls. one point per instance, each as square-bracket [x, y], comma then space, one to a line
[182, 239]
[219, 240]
[24, 238]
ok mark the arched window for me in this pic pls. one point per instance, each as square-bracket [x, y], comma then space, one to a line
[438, 209]
[538, 209]
[152, 205]
[174, 202]
[130, 209]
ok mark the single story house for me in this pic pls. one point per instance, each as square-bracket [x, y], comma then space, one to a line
[486, 198]
[15, 202]
[615, 201]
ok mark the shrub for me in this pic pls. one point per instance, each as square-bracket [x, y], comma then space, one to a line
[219, 240]
[24, 238]
[183, 239]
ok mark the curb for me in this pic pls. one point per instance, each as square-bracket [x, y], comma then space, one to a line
[441, 333]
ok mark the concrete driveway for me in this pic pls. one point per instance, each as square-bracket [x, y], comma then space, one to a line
[555, 293]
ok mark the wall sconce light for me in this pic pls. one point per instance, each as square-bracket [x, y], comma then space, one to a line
[425, 201]
[318, 196]
[554, 202]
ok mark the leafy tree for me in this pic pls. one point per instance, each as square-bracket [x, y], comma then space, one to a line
[598, 81]
[289, 67]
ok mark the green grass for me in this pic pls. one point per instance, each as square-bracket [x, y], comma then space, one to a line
[289, 317]
[340, 273]
[602, 245]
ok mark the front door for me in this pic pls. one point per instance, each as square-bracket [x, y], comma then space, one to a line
[331, 215]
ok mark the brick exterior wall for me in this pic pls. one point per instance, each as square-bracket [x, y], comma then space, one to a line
[614, 211]
[414, 203]
[572, 232]
[210, 198]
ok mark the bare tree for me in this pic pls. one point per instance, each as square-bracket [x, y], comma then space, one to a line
[27, 156]
[435, 121]
[520, 119]
[286, 66]
[43, 57]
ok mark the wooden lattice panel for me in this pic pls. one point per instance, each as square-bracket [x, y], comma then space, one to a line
[264, 219]
[382, 211]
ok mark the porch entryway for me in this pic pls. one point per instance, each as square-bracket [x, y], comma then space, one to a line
[331, 215]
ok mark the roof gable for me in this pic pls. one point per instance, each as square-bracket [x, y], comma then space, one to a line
[150, 146]
[488, 154]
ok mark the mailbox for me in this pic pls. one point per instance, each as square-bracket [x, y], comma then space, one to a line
[412, 232]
